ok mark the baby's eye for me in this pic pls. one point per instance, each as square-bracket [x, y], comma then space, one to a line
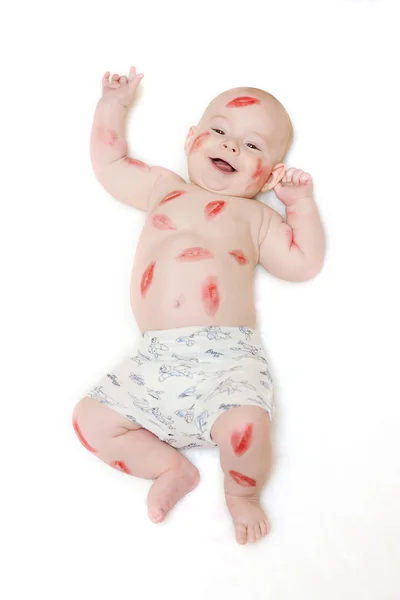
[218, 131]
[255, 147]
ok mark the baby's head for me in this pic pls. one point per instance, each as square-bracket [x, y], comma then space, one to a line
[249, 129]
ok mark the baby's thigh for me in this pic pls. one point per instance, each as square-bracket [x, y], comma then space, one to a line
[95, 421]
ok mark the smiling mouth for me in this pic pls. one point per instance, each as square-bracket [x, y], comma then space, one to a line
[222, 165]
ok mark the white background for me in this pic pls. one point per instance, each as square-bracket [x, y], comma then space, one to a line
[71, 526]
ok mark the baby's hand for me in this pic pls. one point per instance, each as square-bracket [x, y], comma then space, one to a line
[121, 88]
[295, 185]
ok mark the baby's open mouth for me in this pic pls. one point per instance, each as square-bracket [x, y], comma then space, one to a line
[222, 165]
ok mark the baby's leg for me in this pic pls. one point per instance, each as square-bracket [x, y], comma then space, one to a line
[127, 447]
[242, 434]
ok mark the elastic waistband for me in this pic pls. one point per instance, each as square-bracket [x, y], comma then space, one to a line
[199, 341]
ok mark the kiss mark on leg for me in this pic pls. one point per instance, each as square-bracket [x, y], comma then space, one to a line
[147, 278]
[242, 480]
[162, 222]
[239, 256]
[195, 253]
[212, 209]
[107, 136]
[81, 438]
[198, 141]
[120, 466]
[241, 439]
[172, 196]
[136, 163]
[210, 295]
[242, 101]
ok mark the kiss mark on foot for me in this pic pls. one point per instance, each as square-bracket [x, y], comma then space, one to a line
[242, 480]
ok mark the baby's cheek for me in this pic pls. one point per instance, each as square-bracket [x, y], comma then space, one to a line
[197, 142]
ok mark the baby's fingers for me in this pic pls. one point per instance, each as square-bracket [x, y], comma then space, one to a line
[134, 79]
[106, 82]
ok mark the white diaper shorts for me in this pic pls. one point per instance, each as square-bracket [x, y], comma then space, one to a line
[177, 382]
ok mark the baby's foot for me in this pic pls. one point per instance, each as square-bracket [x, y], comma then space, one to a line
[168, 488]
[249, 519]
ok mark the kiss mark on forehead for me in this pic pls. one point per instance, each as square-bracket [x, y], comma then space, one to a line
[172, 196]
[195, 253]
[242, 101]
[198, 141]
[162, 222]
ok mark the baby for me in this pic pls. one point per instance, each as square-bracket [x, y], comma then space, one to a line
[198, 376]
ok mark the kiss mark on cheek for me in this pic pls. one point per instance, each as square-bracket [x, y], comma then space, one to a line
[210, 295]
[120, 466]
[195, 253]
[197, 142]
[212, 209]
[259, 169]
[239, 256]
[242, 480]
[172, 196]
[241, 439]
[162, 222]
[147, 278]
[81, 438]
[242, 101]
[136, 163]
[108, 136]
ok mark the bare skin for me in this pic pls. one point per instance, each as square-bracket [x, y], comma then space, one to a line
[195, 264]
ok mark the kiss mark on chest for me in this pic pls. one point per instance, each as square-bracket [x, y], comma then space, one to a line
[193, 254]
[239, 256]
[212, 209]
[172, 196]
[162, 222]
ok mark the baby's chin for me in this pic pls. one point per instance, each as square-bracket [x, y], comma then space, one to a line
[217, 185]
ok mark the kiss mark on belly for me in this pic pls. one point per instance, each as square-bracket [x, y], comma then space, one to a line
[242, 101]
[172, 196]
[212, 209]
[193, 254]
[239, 256]
[162, 222]
[241, 439]
[198, 141]
[81, 438]
[210, 295]
[120, 466]
[135, 163]
[147, 278]
[242, 480]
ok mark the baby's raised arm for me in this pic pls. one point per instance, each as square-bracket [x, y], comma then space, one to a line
[125, 178]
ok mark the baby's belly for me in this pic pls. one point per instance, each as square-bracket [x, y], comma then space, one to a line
[209, 286]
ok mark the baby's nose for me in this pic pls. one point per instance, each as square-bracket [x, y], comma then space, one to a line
[230, 145]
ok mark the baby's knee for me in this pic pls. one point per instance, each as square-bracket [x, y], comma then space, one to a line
[243, 422]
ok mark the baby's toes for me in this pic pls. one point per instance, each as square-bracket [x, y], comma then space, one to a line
[264, 526]
[240, 533]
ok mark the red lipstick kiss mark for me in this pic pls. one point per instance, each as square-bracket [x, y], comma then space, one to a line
[162, 222]
[121, 466]
[108, 136]
[242, 101]
[242, 480]
[172, 196]
[241, 440]
[147, 278]
[136, 163]
[198, 141]
[195, 253]
[81, 438]
[210, 295]
[259, 170]
[212, 209]
[239, 256]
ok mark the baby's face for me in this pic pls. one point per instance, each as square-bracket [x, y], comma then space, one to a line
[246, 132]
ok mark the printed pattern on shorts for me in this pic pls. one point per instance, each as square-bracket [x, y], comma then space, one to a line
[179, 381]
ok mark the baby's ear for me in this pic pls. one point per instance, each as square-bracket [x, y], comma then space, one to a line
[189, 139]
[277, 173]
